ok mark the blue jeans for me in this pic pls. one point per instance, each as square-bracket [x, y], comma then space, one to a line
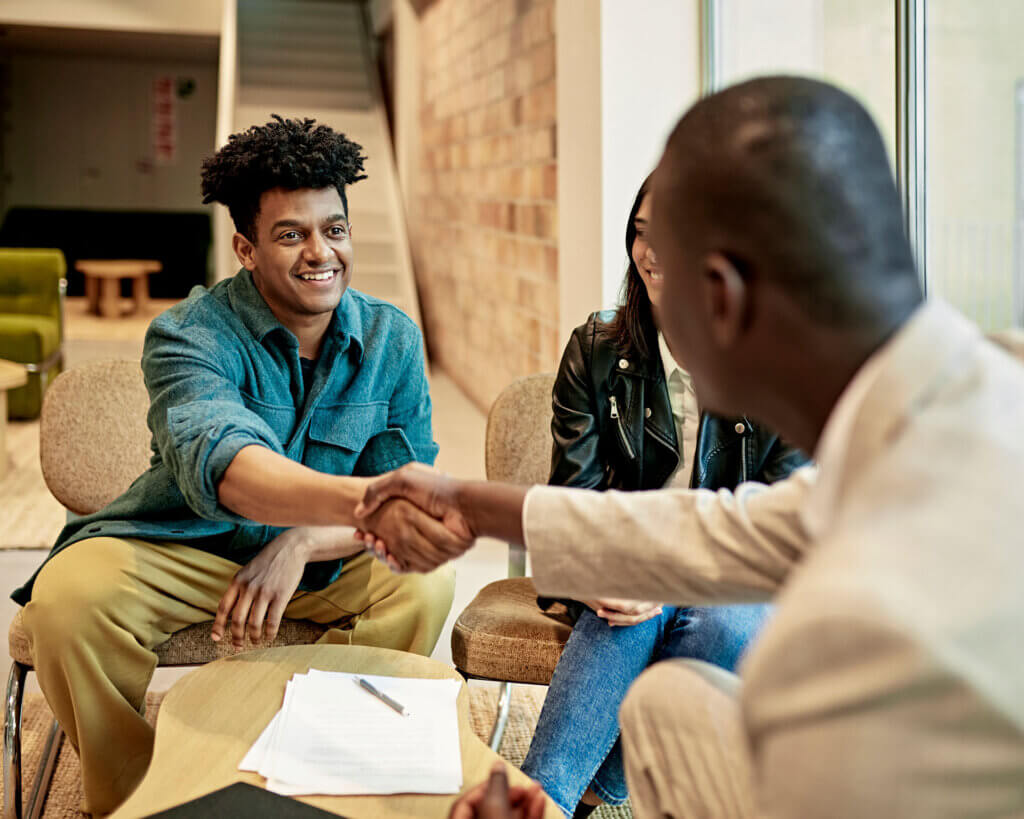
[576, 743]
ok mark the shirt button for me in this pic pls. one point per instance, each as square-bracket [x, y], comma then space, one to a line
[623, 364]
[740, 429]
[647, 412]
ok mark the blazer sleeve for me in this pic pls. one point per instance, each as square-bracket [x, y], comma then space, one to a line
[576, 451]
[682, 546]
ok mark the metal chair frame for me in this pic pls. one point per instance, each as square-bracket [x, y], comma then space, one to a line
[12, 756]
[12, 751]
[516, 568]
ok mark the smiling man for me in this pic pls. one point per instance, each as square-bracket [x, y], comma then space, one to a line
[272, 395]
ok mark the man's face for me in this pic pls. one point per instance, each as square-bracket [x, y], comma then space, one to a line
[683, 315]
[302, 258]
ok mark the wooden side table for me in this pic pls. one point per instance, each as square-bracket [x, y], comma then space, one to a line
[12, 376]
[103, 282]
[211, 717]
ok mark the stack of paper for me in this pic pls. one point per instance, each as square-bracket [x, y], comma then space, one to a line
[333, 737]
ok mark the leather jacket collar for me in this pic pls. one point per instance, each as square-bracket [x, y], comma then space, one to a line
[637, 446]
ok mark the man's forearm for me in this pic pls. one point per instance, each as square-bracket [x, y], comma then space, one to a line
[326, 542]
[269, 488]
[493, 509]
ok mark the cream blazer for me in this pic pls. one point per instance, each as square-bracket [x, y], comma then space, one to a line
[890, 681]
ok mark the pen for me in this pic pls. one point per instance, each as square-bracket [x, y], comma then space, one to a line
[384, 698]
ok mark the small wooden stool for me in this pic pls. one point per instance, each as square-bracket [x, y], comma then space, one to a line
[103, 282]
[12, 376]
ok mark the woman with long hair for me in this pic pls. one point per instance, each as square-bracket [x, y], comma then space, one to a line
[627, 417]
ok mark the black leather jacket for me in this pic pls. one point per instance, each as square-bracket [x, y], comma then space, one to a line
[613, 425]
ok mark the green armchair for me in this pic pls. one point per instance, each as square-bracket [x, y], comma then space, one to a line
[32, 287]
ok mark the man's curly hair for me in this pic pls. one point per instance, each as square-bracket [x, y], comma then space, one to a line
[285, 153]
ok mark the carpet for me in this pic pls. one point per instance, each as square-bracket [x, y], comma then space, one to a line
[65, 793]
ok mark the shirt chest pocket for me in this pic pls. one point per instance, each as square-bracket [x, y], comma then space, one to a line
[351, 439]
[280, 418]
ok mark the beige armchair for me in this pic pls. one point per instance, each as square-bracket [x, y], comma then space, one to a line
[93, 442]
[502, 634]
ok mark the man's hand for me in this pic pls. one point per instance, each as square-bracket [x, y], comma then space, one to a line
[409, 539]
[439, 541]
[259, 592]
[494, 799]
[624, 612]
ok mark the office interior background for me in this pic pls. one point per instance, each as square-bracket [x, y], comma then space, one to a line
[519, 131]
[506, 140]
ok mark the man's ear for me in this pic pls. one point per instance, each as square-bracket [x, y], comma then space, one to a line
[245, 251]
[726, 299]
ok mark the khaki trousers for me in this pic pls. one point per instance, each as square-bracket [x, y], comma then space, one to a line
[100, 607]
[683, 744]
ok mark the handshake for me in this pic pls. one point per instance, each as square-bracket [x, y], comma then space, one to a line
[415, 519]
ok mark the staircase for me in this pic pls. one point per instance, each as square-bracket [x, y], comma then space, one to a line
[312, 58]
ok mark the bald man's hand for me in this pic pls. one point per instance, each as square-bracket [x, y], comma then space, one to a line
[494, 799]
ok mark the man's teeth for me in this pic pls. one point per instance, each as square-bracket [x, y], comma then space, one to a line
[317, 277]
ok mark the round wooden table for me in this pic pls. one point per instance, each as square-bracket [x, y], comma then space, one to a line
[211, 717]
[12, 376]
[103, 283]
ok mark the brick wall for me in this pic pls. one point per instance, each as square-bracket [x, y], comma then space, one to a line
[483, 218]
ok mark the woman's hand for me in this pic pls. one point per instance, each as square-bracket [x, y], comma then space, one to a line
[624, 612]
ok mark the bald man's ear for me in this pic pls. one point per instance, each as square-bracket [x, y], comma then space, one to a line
[726, 299]
[245, 251]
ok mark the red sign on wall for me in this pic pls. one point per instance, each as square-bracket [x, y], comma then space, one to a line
[165, 137]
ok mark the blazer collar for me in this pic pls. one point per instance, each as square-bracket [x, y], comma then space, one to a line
[897, 382]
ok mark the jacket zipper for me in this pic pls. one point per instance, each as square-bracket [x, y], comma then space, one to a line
[622, 433]
[663, 441]
[743, 459]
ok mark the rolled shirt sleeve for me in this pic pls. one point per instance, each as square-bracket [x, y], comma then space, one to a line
[197, 415]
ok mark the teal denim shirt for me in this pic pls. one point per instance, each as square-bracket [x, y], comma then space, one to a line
[223, 373]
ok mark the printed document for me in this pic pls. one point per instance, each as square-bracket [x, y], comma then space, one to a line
[332, 737]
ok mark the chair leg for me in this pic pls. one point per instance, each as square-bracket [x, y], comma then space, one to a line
[12, 741]
[47, 765]
[12, 752]
[501, 721]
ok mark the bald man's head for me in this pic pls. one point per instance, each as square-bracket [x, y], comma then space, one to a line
[784, 184]
[790, 176]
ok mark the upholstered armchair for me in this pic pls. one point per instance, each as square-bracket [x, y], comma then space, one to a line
[32, 287]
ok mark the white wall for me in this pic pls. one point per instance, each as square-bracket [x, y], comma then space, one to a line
[650, 74]
[406, 94]
[225, 263]
[80, 133]
[578, 100]
[167, 16]
[626, 73]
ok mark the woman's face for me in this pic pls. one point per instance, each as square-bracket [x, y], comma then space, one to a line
[643, 256]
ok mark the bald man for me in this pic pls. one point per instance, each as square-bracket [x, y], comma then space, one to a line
[890, 682]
